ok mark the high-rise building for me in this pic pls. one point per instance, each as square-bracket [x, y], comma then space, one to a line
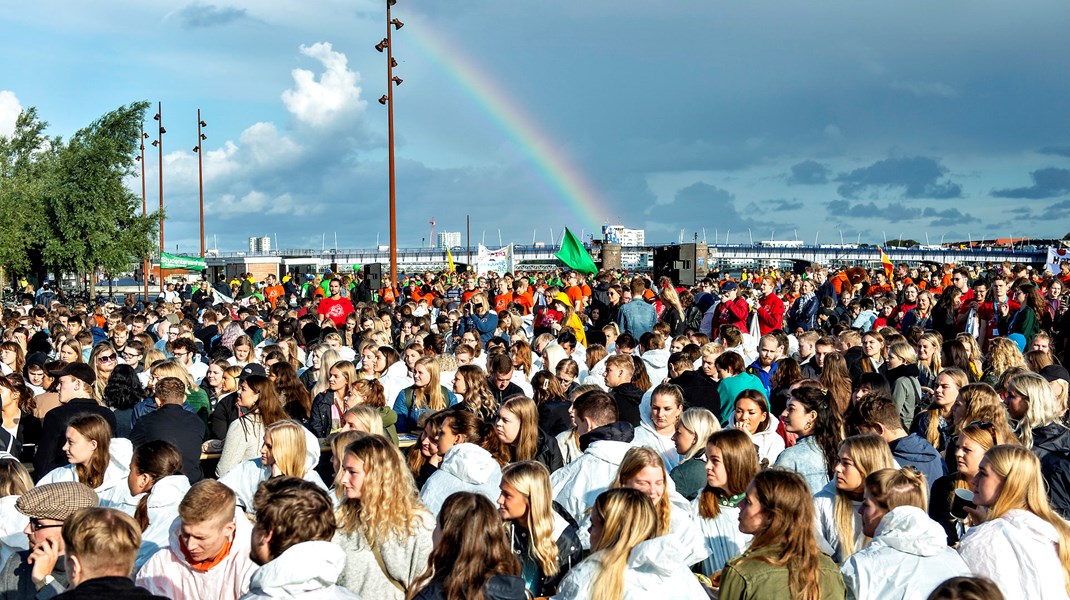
[260, 245]
[619, 234]
[449, 239]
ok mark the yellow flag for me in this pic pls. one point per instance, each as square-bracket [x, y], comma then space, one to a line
[449, 259]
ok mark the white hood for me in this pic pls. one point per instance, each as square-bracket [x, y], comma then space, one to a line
[609, 451]
[312, 450]
[660, 556]
[300, 569]
[470, 463]
[168, 491]
[909, 529]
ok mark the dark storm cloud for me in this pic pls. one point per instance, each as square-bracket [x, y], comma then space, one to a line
[1057, 211]
[715, 204]
[948, 218]
[809, 172]
[917, 177]
[200, 16]
[1056, 150]
[1047, 183]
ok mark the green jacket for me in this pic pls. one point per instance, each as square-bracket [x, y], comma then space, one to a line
[690, 477]
[744, 579]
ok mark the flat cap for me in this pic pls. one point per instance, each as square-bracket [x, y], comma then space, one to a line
[56, 501]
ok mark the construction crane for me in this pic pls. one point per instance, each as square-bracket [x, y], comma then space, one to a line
[432, 240]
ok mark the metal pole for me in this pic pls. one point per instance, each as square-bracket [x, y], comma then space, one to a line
[468, 222]
[144, 209]
[390, 142]
[200, 176]
[159, 139]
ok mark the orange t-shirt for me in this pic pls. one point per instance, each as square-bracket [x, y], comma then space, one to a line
[501, 301]
[575, 294]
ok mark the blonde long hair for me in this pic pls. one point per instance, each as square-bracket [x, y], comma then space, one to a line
[636, 460]
[628, 519]
[431, 395]
[388, 507]
[288, 447]
[1042, 406]
[328, 359]
[531, 480]
[932, 432]
[869, 452]
[1023, 488]
[526, 445]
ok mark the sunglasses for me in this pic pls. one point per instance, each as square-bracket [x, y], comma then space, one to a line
[107, 358]
[36, 525]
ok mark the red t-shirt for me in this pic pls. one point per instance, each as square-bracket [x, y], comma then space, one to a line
[336, 310]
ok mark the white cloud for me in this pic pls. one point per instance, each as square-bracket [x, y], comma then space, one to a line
[257, 202]
[266, 148]
[9, 112]
[319, 103]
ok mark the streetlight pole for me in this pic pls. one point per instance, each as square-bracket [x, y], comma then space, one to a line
[144, 206]
[388, 100]
[159, 147]
[200, 171]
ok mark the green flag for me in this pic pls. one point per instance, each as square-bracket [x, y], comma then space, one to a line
[574, 255]
[172, 261]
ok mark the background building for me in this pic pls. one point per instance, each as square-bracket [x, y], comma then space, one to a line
[448, 239]
[260, 244]
[619, 234]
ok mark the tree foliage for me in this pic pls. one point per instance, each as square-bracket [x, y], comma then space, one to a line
[65, 207]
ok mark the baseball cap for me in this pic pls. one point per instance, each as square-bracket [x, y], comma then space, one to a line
[250, 370]
[78, 371]
[728, 286]
[57, 501]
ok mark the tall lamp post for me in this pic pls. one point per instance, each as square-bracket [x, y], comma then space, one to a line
[144, 205]
[388, 100]
[158, 142]
[200, 170]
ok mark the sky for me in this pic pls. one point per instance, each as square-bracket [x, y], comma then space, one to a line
[716, 120]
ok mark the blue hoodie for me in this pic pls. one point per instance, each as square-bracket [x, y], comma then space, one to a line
[916, 451]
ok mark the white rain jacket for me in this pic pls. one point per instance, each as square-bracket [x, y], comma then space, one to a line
[114, 491]
[577, 484]
[722, 537]
[657, 365]
[12, 524]
[1018, 552]
[597, 374]
[394, 380]
[907, 558]
[168, 573]
[768, 441]
[646, 435]
[306, 570]
[656, 569]
[164, 498]
[465, 468]
[246, 477]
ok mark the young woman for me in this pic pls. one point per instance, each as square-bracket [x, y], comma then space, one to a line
[330, 404]
[103, 358]
[731, 463]
[243, 351]
[384, 531]
[96, 460]
[921, 314]
[839, 525]
[903, 377]
[289, 449]
[214, 381]
[567, 372]
[368, 360]
[156, 476]
[21, 430]
[261, 408]
[293, 396]
[70, 351]
[426, 393]
[778, 512]
[628, 559]
[521, 439]
[470, 385]
[872, 360]
[818, 426]
[907, 557]
[545, 543]
[552, 402]
[694, 426]
[929, 360]
[369, 394]
[471, 558]
[422, 457]
[467, 464]
[226, 407]
[1021, 545]
[363, 419]
[935, 423]
[12, 358]
[752, 416]
[327, 359]
[642, 469]
[666, 407]
[1026, 320]
[1031, 402]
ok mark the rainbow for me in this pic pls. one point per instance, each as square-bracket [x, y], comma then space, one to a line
[564, 178]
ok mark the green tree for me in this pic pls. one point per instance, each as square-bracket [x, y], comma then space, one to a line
[94, 218]
[27, 162]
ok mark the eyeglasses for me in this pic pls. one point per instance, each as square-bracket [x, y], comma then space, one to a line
[181, 354]
[108, 358]
[36, 525]
[131, 356]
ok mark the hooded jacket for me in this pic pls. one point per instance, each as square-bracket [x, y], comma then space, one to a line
[1018, 552]
[628, 397]
[724, 541]
[569, 553]
[768, 441]
[906, 391]
[657, 365]
[465, 468]
[916, 451]
[828, 536]
[168, 573]
[907, 558]
[162, 505]
[304, 570]
[656, 569]
[577, 484]
[113, 492]
[246, 477]
[646, 435]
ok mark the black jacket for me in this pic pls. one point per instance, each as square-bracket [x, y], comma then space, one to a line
[699, 391]
[54, 433]
[619, 431]
[569, 554]
[1050, 438]
[114, 588]
[628, 397]
[23, 445]
[225, 413]
[1055, 467]
[319, 421]
[554, 417]
[548, 452]
[502, 395]
[174, 424]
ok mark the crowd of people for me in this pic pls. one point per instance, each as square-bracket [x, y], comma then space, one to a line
[835, 433]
